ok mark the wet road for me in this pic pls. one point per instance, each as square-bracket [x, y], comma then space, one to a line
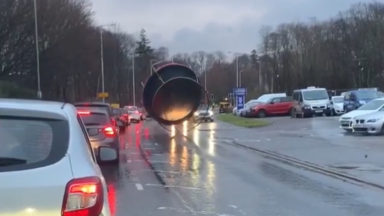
[195, 171]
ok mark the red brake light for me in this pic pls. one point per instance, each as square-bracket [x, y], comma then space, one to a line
[83, 113]
[83, 197]
[109, 131]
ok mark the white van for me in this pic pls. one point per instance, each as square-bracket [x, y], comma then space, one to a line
[311, 101]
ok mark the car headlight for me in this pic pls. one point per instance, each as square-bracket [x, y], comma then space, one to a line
[210, 112]
[362, 102]
[307, 106]
[196, 114]
[372, 120]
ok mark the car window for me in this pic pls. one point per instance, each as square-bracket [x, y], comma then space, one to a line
[27, 143]
[315, 95]
[95, 119]
[276, 100]
[366, 95]
[373, 105]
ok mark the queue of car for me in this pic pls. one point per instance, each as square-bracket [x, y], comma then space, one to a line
[64, 143]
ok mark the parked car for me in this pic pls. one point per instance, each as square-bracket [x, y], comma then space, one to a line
[310, 101]
[356, 98]
[100, 129]
[47, 165]
[246, 110]
[370, 123]
[337, 104]
[275, 106]
[346, 120]
[134, 114]
[203, 114]
[265, 98]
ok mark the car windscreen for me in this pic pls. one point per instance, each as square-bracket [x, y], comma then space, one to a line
[31, 142]
[95, 119]
[373, 105]
[315, 95]
[338, 99]
[366, 95]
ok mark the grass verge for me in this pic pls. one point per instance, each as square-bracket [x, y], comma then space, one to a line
[242, 122]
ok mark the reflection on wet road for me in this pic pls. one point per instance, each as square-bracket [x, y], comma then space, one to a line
[187, 170]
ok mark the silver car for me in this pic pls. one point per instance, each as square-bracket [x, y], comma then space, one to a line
[100, 129]
[46, 163]
[370, 123]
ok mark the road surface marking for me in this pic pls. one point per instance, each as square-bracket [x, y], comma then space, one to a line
[156, 144]
[139, 187]
[129, 161]
[173, 186]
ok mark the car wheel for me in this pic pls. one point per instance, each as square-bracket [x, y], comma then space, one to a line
[293, 113]
[261, 114]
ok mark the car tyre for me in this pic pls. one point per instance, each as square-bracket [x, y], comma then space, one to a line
[261, 114]
[293, 113]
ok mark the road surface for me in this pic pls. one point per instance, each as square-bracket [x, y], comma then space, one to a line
[202, 171]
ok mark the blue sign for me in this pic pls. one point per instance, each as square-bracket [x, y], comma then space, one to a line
[240, 97]
[240, 101]
[240, 91]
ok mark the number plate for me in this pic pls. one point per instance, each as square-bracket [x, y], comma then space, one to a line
[318, 111]
[93, 131]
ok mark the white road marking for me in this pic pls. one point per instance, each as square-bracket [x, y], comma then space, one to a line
[173, 186]
[139, 187]
[129, 161]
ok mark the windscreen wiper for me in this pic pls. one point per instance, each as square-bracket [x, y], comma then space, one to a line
[5, 161]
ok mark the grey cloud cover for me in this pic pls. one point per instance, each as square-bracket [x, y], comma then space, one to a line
[210, 25]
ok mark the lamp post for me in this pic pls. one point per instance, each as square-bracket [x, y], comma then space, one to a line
[102, 62]
[102, 58]
[133, 79]
[39, 93]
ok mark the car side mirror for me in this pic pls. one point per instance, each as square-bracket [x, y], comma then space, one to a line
[107, 154]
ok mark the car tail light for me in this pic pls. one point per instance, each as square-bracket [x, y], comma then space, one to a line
[109, 131]
[82, 113]
[83, 197]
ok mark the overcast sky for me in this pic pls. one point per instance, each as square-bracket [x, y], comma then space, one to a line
[211, 25]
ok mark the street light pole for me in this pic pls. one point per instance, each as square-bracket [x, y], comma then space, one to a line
[237, 71]
[133, 79]
[39, 93]
[102, 62]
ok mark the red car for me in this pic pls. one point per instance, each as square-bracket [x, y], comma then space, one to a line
[275, 106]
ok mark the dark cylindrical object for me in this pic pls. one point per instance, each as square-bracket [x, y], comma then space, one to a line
[172, 94]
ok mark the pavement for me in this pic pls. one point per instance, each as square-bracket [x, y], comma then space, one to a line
[221, 170]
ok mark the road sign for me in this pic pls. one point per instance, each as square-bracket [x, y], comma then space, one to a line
[240, 97]
[240, 101]
[102, 95]
[240, 91]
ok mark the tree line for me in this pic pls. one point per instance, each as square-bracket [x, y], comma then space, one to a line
[341, 53]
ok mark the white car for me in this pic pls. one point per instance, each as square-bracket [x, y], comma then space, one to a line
[370, 123]
[134, 114]
[337, 103]
[346, 120]
[46, 162]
